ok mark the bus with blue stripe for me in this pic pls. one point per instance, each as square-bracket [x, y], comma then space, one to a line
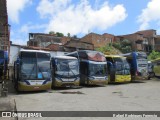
[118, 69]
[4, 73]
[65, 71]
[93, 67]
[32, 71]
[138, 65]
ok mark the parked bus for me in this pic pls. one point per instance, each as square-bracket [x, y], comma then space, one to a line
[65, 71]
[4, 73]
[138, 65]
[93, 67]
[118, 69]
[32, 71]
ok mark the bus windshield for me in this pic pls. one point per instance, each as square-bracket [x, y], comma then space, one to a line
[43, 64]
[122, 66]
[67, 67]
[97, 69]
[35, 65]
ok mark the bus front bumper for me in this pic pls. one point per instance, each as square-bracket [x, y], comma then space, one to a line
[23, 87]
[65, 84]
[97, 81]
[123, 78]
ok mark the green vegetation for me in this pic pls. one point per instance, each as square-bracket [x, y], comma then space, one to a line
[157, 70]
[68, 34]
[51, 32]
[108, 49]
[154, 55]
[59, 34]
[124, 46]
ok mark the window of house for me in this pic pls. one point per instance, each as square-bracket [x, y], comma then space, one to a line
[31, 36]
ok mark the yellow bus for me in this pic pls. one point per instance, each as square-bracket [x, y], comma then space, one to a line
[118, 69]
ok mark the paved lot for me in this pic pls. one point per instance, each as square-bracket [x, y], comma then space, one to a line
[140, 96]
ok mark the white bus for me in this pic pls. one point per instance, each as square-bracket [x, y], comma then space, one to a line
[32, 71]
[65, 71]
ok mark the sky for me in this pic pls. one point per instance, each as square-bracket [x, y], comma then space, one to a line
[80, 17]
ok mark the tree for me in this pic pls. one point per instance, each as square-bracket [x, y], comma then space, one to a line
[124, 46]
[68, 34]
[51, 32]
[104, 49]
[59, 34]
[154, 55]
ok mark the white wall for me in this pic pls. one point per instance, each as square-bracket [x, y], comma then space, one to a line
[13, 54]
[14, 50]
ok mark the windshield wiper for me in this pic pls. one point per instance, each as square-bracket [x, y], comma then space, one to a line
[32, 71]
[71, 70]
[41, 72]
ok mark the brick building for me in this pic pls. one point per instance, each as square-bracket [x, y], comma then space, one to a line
[55, 43]
[74, 45]
[157, 43]
[98, 40]
[4, 27]
[149, 38]
[44, 40]
[145, 40]
[141, 40]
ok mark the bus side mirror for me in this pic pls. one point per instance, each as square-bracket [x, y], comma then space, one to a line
[19, 62]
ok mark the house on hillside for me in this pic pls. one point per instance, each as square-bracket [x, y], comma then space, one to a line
[141, 40]
[98, 40]
[54, 43]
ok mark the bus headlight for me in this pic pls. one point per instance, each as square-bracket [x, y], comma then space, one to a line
[106, 78]
[91, 78]
[77, 79]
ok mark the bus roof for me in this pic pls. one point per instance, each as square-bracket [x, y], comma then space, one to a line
[41, 51]
[66, 57]
[131, 54]
[88, 55]
[115, 56]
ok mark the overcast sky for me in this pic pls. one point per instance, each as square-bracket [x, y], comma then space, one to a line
[80, 17]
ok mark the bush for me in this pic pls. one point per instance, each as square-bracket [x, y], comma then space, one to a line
[107, 48]
[117, 45]
[124, 46]
[157, 70]
[154, 55]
